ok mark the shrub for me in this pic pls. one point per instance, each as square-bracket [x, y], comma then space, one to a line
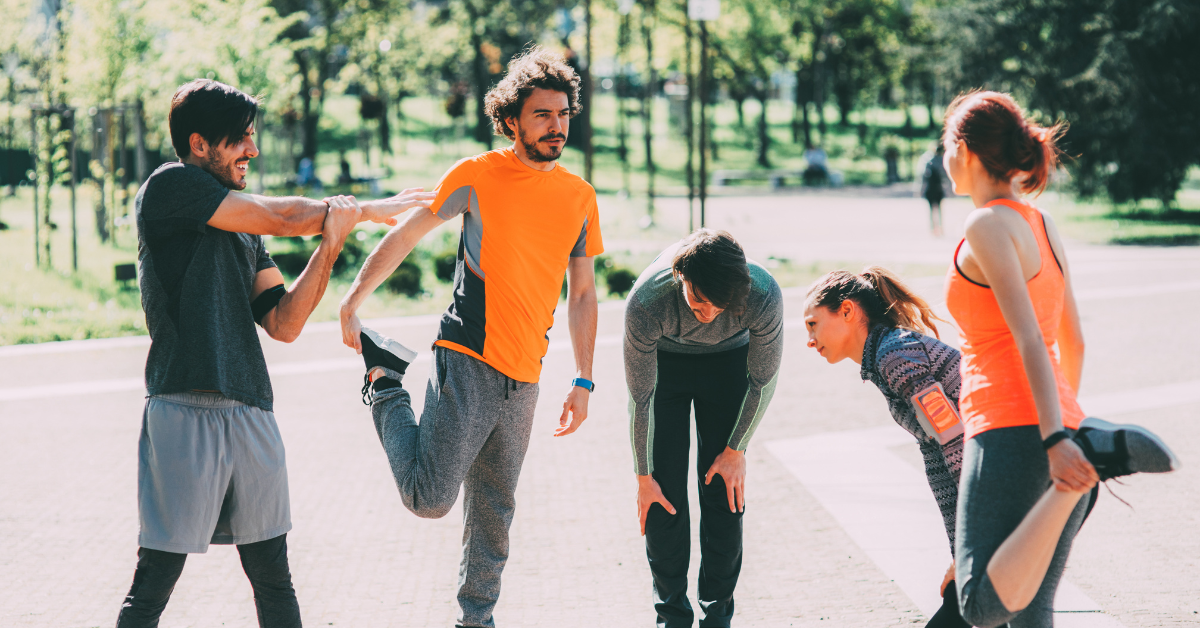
[620, 281]
[406, 280]
[443, 266]
[291, 263]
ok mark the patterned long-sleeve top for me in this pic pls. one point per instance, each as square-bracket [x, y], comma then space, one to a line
[901, 363]
[658, 318]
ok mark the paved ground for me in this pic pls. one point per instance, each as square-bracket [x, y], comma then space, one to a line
[69, 420]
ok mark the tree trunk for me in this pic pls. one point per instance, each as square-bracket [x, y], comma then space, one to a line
[648, 104]
[807, 128]
[588, 88]
[385, 129]
[479, 74]
[929, 104]
[305, 106]
[800, 105]
[764, 138]
[139, 141]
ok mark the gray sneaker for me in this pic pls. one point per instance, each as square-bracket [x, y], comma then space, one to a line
[1117, 450]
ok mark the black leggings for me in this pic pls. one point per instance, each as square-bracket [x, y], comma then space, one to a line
[265, 563]
[715, 385]
[1005, 472]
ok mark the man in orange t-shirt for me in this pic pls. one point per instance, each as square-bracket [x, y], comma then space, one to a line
[526, 221]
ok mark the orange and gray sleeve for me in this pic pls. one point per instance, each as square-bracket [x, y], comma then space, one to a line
[455, 192]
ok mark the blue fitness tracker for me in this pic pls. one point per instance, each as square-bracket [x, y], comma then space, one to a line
[583, 383]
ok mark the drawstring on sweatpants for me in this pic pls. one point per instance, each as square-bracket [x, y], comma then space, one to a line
[509, 380]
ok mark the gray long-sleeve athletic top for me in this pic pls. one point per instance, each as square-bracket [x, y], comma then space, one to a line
[657, 317]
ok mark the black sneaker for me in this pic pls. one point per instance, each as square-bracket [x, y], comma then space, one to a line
[379, 351]
[1117, 450]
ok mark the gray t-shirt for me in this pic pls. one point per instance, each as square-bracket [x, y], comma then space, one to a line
[196, 282]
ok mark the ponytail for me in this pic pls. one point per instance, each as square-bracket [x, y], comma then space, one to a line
[1007, 143]
[881, 295]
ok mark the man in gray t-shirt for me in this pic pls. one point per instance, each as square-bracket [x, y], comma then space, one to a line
[211, 462]
[703, 331]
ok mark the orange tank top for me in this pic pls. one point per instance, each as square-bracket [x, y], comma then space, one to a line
[995, 390]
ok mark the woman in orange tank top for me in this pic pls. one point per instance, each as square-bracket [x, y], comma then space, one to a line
[1031, 460]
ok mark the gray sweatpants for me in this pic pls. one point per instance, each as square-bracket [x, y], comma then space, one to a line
[474, 432]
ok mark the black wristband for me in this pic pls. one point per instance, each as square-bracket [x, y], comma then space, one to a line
[1054, 439]
[266, 302]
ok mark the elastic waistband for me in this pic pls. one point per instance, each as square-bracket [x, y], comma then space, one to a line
[691, 357]
[199, 399]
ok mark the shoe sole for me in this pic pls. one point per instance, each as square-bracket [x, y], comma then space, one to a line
[391, 346]
[1101, 424]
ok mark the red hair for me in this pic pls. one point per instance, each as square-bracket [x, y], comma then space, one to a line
[1008, 144]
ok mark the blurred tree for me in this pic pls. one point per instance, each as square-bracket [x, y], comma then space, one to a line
[107, 41]
[16, 40]
[497, 31]
[385, 56]
[862, 49]
[751, 43]
[1122, 72]
[321, 33]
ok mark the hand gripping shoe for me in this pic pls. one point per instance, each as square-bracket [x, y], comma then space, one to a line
[1118, 450]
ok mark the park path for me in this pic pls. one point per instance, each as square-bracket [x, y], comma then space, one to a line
[69, 421]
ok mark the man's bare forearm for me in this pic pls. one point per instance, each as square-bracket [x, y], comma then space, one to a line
[305, 294]
[299, 216]
[581, 318]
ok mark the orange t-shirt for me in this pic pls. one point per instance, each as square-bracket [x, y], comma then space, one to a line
[995, 390]
[520, 227]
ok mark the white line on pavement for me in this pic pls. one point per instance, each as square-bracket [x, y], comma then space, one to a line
[1125, 292]
[303, 367]
[1150, 398]
[885, 506]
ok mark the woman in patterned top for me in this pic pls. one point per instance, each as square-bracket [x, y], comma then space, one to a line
[876, 321]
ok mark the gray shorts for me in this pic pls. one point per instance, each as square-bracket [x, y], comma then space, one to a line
[210, 470]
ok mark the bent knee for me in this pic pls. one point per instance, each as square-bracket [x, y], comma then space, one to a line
[431, 509]
[984, 615]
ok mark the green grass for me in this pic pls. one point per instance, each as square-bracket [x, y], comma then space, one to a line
[428, 142]
[1135, 224]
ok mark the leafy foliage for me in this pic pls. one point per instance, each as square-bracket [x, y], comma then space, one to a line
[1121, 72]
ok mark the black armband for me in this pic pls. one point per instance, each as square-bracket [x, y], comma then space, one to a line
[266, 302]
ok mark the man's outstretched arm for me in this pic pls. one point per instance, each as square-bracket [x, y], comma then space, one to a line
[296, 216]
[380, 264]
[286, 319]
[581, 319]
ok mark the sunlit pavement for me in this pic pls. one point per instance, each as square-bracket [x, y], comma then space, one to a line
[70, 415]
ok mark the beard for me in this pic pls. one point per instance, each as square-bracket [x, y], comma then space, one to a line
[225, 171]
[531, 146]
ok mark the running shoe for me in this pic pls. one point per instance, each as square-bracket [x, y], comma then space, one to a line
[1118, 450]
[379, 351]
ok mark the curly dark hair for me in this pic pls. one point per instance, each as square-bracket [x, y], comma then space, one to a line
[534, 68]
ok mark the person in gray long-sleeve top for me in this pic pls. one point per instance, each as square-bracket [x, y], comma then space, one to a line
[703, 330]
